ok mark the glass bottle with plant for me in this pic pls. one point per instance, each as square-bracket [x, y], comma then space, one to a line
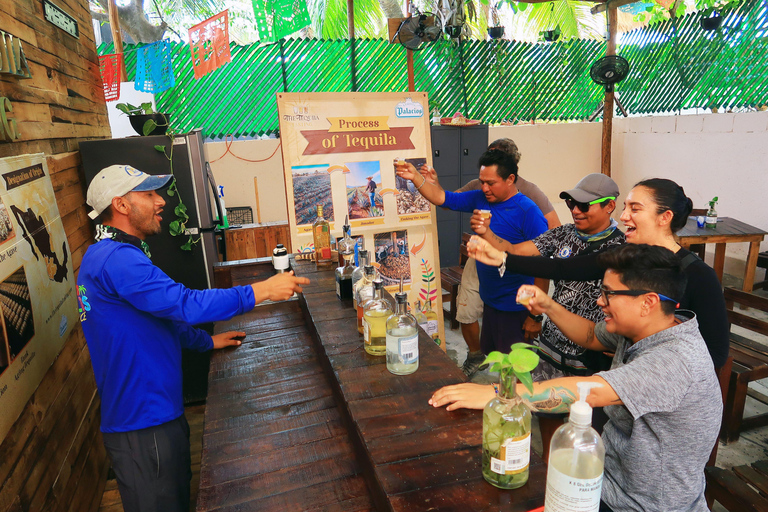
[507, 419]
[711, 221]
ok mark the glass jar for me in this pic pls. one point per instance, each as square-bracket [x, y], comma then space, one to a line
[506, 436]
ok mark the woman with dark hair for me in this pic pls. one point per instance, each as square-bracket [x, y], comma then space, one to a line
[655, 209]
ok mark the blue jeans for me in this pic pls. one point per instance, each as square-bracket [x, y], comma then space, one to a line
[372, 195]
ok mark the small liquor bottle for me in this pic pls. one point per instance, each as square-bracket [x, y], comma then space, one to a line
[344, 273]
[358, 274]
[364, 294]
[402, 338]
[431, 327]
[420, 317]
[377, 310]
[321, 231]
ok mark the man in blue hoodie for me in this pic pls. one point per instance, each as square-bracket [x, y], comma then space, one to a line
[136, 321]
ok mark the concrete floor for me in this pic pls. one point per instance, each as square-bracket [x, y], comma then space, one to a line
[752, 445]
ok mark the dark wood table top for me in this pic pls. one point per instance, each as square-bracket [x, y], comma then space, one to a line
[726, 227]
[301, 405]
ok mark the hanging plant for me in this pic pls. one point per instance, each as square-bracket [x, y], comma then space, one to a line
[177, 227]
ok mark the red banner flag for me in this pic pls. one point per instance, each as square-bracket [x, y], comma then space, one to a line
[110, 65]
[209, 44]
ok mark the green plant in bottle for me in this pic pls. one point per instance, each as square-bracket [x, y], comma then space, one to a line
[507, 419]
[711, 221]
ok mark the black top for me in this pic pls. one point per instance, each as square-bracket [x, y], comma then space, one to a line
[703, 293]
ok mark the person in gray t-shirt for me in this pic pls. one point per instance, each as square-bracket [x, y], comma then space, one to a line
[661, 394]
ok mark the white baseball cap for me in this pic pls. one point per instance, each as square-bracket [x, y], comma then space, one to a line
[118, 180]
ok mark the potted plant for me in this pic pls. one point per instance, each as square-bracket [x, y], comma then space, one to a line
[144, 119]
[550, 36]
[497, 30]
[712, 22]
[453, 31]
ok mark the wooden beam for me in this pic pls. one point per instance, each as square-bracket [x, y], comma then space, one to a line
[409, 55]
[608, 109]
[611, 4]
[114, 24]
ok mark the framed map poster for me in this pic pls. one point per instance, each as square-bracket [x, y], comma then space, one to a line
[339, 151]
[38, 302]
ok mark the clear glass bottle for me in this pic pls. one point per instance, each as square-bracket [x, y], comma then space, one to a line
[358, 274]
[364, 294]
[321, 232]
[377, 310]
[432, 326]
[420, 316]
[344, 273]
[402, 339]
[506, 436]
[576, 459]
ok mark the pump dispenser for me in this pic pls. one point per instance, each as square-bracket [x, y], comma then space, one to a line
[576, 459]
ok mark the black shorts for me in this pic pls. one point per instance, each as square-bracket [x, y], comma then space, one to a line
[501, 329]
[153, 466]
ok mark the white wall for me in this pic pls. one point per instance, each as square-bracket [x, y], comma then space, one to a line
[724, 155]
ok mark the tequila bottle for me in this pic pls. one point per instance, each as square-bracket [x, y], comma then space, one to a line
[321, 232]
[402, 339]
[358, 274]
[364, 294]
[377, 310]
[431, 328]
[344, 273]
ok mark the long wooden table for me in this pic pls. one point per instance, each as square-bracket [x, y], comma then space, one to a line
[728, 231]
[300, 417]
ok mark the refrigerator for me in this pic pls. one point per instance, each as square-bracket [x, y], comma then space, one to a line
[197, 189]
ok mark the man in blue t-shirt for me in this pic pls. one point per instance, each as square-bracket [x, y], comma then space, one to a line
[136, 320]
[514, 218]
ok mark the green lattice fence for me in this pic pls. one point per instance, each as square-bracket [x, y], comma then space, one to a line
[674, 65]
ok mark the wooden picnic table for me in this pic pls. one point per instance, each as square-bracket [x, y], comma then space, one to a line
[728, 231]
[300, 417]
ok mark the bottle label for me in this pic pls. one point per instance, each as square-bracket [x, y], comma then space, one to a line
[568, 494]
[514, 456]
[338, 288]
[408, 349]
[366, 331]
[711, 220]
[432, 328]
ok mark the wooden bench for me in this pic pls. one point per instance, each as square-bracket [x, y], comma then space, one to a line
[741, 489]
[762, 262]
[750, 363]
[450, 278]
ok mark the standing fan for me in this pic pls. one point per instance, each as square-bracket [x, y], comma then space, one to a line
[608, 71]
[415, 34]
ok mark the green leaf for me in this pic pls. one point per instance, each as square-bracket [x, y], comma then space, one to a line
[522, 6]
[516, 346]
[188, 245]
[176, 228]
[523, 360]
[526, 380]
[147, 107]
[149, 126]
[160, 148]
[494, 357]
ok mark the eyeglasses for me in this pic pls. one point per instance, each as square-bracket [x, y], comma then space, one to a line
[606, 293]
[584, 207]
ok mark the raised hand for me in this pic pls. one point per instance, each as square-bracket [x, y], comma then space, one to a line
[484, 252]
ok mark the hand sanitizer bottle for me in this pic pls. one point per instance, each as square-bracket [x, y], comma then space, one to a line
[576, 458]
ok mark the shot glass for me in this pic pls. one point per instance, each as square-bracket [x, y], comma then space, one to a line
[524, 297]
[700, 220]
[485, 214]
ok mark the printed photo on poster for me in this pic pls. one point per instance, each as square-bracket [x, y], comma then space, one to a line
[6, 227]
[409, 200]
[391, 251]
[311, 186]
[363, 187]
[17, 322]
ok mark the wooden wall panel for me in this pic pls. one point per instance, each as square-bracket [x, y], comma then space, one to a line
[53, 458]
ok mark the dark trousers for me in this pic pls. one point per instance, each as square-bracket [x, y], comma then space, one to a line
[501, 329]
[153, 467]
